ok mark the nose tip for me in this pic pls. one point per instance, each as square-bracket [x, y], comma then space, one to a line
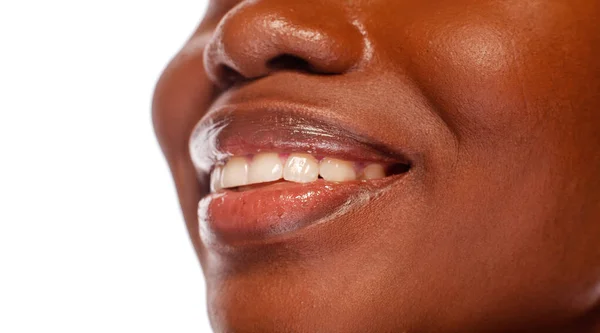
[256, 39]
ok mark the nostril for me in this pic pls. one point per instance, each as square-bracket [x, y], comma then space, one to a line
[289, 62]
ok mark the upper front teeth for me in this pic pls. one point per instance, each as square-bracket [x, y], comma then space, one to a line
[299, 168]
[235, 173]
[265, 167]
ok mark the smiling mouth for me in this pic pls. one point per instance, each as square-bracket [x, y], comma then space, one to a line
[273, 172]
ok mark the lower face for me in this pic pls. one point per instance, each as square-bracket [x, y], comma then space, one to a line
[448, 182]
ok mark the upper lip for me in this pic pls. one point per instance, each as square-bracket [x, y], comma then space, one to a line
[269, 115]
[273, 125]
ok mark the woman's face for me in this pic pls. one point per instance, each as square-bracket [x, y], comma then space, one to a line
[478, 122]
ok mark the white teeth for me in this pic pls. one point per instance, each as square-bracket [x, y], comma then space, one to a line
[373, 171]
[235, 173]
[301, 168]
[215, 179]
[337, 170]
[265, 167]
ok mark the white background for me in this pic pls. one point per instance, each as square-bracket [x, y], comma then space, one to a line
[91, 237]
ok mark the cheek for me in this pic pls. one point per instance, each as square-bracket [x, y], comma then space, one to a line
[471, 74]
[522, 101]
[182, 96]
[524, 77]
[524, 191]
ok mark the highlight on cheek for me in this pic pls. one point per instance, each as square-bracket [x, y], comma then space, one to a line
[482, 48]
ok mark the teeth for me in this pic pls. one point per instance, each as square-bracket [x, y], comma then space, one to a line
[265, 167]
[373, 171]
[215, 179]
[235, 173]
[301, 168]
[337, 170]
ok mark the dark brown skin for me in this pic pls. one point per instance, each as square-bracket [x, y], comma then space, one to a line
[502, 233]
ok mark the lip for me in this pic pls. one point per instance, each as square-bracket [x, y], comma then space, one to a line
[273, 212]
[267, 214]
[266, 126]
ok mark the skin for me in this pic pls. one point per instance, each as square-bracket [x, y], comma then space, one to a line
[498, 228]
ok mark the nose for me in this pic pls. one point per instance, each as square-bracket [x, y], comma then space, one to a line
[257, 38]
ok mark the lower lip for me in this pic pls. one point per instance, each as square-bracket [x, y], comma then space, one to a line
[273, 211]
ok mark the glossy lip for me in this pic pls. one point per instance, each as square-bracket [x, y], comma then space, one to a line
[267, 126]
[226, 220]
[275, 212]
